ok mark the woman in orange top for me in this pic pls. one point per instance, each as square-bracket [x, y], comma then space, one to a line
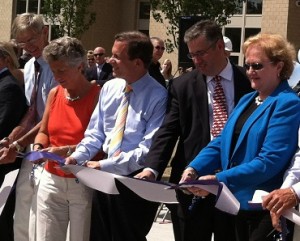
[61, 198]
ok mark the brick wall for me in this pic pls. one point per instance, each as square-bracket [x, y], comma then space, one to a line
[282, 16]
[6, 9]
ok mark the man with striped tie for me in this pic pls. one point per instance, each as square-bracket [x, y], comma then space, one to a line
[130, 110]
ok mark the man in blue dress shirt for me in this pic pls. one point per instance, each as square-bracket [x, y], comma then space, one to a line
[125, 216]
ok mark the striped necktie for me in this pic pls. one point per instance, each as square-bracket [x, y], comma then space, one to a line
[219, 108]
[31, 117]
[118, 131]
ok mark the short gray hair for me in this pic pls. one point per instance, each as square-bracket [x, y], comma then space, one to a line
[207, 28]
[27, 21]
[66, 49]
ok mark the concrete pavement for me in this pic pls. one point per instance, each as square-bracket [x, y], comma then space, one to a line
[162, 229]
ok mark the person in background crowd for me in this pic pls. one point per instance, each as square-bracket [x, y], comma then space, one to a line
[166, 70]
[90, 59]
[61, 198]
[228, 46]
[31, 35]
[269, 116]
[14, 66]
[131, 106]
[12, 109]
[190, 120]
[154, 68]
[102, 71]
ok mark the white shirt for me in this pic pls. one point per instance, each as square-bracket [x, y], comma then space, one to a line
[292, 174]
[46, 83]
[228, 86]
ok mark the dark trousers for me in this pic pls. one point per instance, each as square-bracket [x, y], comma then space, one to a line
[121, 217]
[6, 218]
[200, 221]
[257, 226]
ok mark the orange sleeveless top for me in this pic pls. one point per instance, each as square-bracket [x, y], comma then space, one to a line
[68, 121]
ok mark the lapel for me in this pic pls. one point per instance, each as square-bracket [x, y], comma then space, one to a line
[199, 83]
[102, 74]
[94, 72]
[4, 74]
[241, 83]
[253, 117]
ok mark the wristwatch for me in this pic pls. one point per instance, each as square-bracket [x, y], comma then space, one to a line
[69, 152]
[18, 146]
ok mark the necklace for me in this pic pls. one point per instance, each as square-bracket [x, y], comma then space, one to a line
[72, 99]
[258, 101]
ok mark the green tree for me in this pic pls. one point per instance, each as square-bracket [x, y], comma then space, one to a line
[168, 12]
[69, 17]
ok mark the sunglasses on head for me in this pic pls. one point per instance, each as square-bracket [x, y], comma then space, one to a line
[158, 48]
[254, 66]
[100, 54]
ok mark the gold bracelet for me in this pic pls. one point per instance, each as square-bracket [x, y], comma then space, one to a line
[295, 196]
[40, 146]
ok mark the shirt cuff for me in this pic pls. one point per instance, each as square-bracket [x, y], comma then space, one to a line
[107, 165]
[155, 173]
[296, 188]
[79, 159]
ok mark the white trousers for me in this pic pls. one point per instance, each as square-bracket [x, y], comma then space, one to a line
[62, 202]
[296, 233]
[25, 208]
[297, 230]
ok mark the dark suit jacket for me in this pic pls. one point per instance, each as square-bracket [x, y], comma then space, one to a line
[12, 108]
[105, 74]
[154, 71]
[187, 118]
[259, 157]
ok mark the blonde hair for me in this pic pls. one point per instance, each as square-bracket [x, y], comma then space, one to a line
[277, 49]
[167, 73]
[90, 53]
[7, 52]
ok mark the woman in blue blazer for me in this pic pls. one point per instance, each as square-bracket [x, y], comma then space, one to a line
[259, 138]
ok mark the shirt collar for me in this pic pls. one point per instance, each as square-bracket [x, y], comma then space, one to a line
[141, 83]
[226, 73]
[41, 61]
[99, 65]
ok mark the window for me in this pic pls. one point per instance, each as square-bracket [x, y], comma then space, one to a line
[33, 6]
[21, 6]
[254, 7]
[239, 7]
[234, 34]
[144, 10]
[251, 31]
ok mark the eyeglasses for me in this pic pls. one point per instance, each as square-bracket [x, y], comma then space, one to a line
[160, 48]
[100, 54]
[31, 41]
[201, 53]
[254, 66]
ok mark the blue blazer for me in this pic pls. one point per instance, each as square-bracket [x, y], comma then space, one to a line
[267, 143]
